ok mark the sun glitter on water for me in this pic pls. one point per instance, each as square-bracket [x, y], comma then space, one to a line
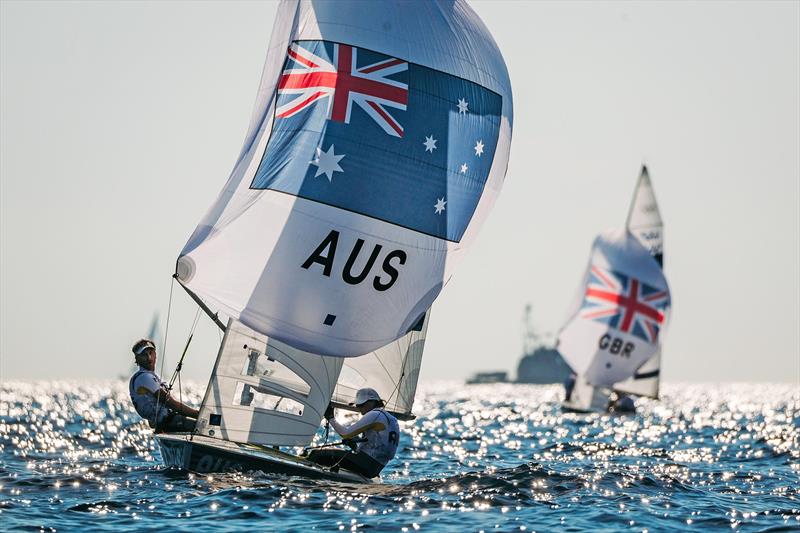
[490, 457]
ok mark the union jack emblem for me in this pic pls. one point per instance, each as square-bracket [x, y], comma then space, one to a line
[625, 303]
[313, 78]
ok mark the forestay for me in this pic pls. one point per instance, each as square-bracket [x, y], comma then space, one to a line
[263, 391]
[393, 371]
[621, 314]
[378, 145]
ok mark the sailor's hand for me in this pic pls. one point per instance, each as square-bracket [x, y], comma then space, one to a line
[329, 412]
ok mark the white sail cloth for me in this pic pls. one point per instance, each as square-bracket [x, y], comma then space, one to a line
[378, 145]
[646, 380]
[620, 314]
[265, 392]
[644, 219]
[645, 223]
[393, 371]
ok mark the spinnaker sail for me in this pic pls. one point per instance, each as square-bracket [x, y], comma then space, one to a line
[378, 145]
[622, 314]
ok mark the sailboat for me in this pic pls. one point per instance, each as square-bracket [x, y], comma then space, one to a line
[378, 145]
[612, 338]
[264, 394]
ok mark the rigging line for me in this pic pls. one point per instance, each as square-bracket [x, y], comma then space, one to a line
[166, 327]
[179, 366]
[177, 372]
[164, 347]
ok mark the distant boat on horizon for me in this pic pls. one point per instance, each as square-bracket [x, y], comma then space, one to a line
[541, 363]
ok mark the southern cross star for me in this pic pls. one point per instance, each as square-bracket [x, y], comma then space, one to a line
[479, 148]
[439, 207]
[464, 168]
[430, 143]
[462, 106]
[327, 163]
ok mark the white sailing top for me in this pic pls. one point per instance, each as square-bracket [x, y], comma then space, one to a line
[381, 431]
[144, 386]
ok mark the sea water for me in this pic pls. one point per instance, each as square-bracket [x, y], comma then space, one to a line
[477, 458]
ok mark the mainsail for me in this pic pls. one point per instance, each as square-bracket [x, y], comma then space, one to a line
[622, 312]
[644, 222]
[263, 391]
[393, 371]
[646, 380]
[378, 145]
[644, 219]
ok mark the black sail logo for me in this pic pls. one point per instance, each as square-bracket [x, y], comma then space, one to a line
[388, 273]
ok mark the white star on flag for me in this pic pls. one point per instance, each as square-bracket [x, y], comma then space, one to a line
[479, 148]
[439, 207]
[462, 106]
[430, 144]
[464, 168]
[327, 163]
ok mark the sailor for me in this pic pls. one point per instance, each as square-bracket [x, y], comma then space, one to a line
[569, 386]
[151, 397]
[622, 404]
[379, 444]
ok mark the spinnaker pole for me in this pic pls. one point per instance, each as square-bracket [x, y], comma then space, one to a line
[213, 316]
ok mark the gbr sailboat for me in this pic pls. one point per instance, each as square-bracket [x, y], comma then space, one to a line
[378, 145]
[612, 338]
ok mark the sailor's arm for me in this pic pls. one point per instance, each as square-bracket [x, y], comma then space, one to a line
[367, 422]
[166, 399]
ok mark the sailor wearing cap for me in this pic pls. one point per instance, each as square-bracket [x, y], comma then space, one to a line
[381, 437]
[150, 395]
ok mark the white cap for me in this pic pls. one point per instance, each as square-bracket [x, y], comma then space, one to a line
[366, 394]
[144, 347]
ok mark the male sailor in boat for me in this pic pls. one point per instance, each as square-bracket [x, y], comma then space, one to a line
[622, 403]
[381, 437]
[150, 395]
[569, 386]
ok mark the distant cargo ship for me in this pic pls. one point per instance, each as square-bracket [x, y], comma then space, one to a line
[541, 362]
[543, 365]
[488, 377]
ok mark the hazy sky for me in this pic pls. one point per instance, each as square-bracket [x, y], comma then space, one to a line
[121, 121]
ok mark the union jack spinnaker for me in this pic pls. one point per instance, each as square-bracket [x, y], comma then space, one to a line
[378, 145]
[620, 314]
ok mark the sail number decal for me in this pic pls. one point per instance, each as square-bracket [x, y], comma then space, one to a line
[325, 256]
[615, 345]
